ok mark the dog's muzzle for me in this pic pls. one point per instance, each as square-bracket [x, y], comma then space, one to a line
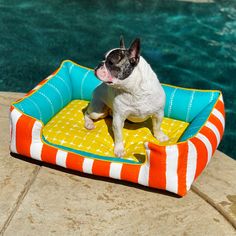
[103, 73]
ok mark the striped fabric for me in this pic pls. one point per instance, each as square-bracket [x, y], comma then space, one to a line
[172, 168]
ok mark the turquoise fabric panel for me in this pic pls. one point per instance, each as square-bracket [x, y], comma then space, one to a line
[30, 107]
[83, 81]
[50, 98]
[61, 93]
[197, 122]
[176, 100]
[182, 104]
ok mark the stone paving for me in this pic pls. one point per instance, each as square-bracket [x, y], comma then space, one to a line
[39, 199]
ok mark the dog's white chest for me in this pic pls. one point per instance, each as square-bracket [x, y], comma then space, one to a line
[138, 108]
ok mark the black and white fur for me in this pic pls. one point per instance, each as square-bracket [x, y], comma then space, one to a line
[130, 89]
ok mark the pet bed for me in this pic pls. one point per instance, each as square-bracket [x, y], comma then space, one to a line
[47, 125]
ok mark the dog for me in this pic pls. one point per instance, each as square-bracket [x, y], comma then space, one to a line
[130, 89]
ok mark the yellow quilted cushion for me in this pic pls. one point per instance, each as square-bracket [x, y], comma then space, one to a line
[67, 129]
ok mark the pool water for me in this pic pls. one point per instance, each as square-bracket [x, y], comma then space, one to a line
[188, 44]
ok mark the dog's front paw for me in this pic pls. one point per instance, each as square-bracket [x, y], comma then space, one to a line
[119, 150]
[161, 136]
[88, 124]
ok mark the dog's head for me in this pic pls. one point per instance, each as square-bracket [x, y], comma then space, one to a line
[118, 63]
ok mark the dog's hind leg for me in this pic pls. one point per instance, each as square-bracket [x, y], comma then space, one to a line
[96, 110]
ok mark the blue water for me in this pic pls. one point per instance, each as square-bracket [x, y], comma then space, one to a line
[187, 44]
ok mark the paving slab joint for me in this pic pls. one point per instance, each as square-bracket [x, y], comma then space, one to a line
[217, 206]
[20, 198]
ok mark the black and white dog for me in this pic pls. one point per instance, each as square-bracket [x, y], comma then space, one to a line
[130, 89]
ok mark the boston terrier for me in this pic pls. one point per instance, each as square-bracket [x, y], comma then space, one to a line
[130, 90]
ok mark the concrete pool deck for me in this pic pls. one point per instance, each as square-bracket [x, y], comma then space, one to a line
[39, 199]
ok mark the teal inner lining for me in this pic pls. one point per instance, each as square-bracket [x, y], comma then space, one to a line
[75, 82]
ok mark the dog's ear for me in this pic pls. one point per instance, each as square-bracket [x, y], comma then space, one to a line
[134, 51]
[122, 42]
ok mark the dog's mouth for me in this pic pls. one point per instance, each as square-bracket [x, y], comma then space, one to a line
[109, 82]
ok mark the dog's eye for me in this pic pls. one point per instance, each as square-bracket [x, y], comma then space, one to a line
[110, 63]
